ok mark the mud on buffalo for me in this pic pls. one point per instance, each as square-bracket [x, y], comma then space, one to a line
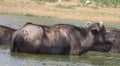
[62, 39]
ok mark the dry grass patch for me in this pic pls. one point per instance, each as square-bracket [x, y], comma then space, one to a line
[69, 10]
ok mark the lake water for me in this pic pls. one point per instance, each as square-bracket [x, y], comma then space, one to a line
[22, 59]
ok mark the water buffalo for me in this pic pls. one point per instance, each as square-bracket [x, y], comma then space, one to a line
[63, 39]
[5, 34]
[114, 35]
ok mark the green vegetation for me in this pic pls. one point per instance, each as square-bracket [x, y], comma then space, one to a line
[4, 47]
[98, 3]
[104, 3]
[28, 14]
[43, 1]
[107, 3]
[66, 7]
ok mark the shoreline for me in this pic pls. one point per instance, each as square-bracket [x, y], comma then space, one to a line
[85, 20]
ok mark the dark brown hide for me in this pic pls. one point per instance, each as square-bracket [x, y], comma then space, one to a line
[58, 39]
[113, 34]
[5, 34]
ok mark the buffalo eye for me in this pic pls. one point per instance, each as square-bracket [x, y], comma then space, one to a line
[94, 32]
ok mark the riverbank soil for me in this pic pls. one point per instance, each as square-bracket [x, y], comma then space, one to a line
[72, 9]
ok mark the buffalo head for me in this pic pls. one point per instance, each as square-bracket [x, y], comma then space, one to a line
[98, 30]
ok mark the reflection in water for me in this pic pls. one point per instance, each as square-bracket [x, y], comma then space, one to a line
[22, 59]
[89, 59]
[47, 60]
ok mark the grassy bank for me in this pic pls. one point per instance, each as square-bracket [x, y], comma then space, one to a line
[72, 9]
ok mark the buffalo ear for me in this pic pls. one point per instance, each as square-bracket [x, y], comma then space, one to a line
[95, 31]
[87, 23]
[100, 23]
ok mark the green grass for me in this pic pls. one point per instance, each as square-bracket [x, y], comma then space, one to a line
[28, 14]
[98, 3]
[4, 47]
[107, 3]
[68, 6]
[104, 3]
[43, 1]
[65, 7]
